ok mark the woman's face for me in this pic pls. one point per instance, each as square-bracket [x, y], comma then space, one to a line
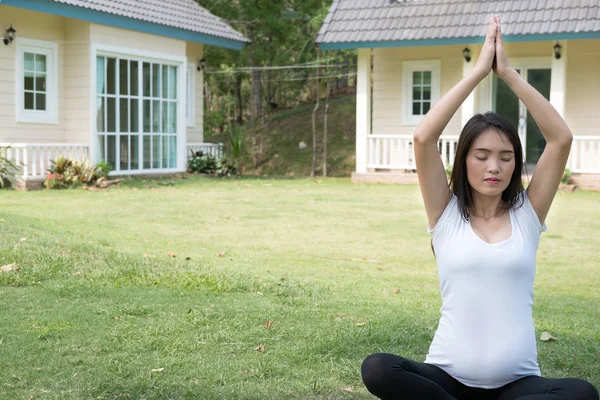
[490, 163]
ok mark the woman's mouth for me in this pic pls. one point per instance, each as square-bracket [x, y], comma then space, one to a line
[492, 181]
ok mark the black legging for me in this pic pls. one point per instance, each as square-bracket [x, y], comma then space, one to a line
[388, 376]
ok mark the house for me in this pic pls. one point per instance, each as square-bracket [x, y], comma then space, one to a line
[412, 52]
[118, 81]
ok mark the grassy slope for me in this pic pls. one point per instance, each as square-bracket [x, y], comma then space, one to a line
[284, 130]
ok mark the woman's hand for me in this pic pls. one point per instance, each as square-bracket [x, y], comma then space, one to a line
[486, 58]
[501, 65]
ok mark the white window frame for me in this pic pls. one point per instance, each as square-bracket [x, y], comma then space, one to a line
[50, 50]
[100, 49]
[408, 67]
[191, 96]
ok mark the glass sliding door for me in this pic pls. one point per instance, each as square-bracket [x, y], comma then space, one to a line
[136, 114]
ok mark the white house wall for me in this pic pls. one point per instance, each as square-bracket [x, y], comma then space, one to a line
[387, 84]
[77, 83]
[38, 26]
[109, 35]
[195, 134]
[583, 87]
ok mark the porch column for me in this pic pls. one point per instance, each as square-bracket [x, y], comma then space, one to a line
[558, 81]
[468, 106]
[363, 108]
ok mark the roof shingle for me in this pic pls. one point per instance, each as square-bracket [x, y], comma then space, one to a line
[182, 14]
[389, 20]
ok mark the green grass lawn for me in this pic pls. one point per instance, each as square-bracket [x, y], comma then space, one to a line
[278, 289]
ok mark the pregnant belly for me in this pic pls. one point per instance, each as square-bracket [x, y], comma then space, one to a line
[486, 359]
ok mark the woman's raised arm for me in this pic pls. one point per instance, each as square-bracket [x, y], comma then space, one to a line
[552, 162]
[430, 169]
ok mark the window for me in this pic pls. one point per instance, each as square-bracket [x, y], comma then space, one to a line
[136, 113]
[190, 112]
[37, 81]
[421, 84]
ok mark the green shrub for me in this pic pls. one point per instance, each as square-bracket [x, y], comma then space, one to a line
[206, 164]
[66, 173]
[9, 170]
[566, 178]
[225, 167]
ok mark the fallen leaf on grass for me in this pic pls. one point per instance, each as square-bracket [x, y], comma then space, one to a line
[158, 370]
[260, 348]
[269, 323]
[546, 337]
[233, 355]
[22, 239]
[220, 254]
[149, 256]
[260, 294]
[360, 324]
[8, 268]
[171, 254]
[395, 291]
[349, 389]
[188, 258]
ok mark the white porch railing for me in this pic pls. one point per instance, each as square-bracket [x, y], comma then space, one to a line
[396, 151]
[34, 158]
[213, 149]
[585, 155]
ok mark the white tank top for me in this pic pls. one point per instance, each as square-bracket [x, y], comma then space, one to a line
[485, 337]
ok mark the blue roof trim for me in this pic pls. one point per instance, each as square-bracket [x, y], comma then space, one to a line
[464, 40]
[98, 17]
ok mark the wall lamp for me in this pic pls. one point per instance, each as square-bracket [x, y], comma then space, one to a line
[10, 35]
[557, 51]
[202, 64]
[467, 54]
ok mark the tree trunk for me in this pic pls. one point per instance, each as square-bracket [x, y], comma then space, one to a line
[325, 129]
[256, 98]
[238, 100]
[314, 122]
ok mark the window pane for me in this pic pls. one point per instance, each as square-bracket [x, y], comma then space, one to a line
[165, 81]
[102, 146]
[111, 151]
[417, 77]
[134, 65]
[111, 76]
[124, 155]
[28, 80]
[40, 101]
[124, 115]
[100, 84]
[40, 63]
[172, 151]
[416, 108]
[147, 151]
[147, 115]
[29, 64]
[172, 126]
[135, 152]
[165, 151]
[134, 113]
[427, 77]
[426, 106]
[155, 80]
[146, 80]
[123, 76]
[165, 117]
[111, 115]
[156, 116]
[155, 151]
[29, 101]
[100, 114]
[40, 83]
[416, 93]
[173, 83]
[426, 92]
